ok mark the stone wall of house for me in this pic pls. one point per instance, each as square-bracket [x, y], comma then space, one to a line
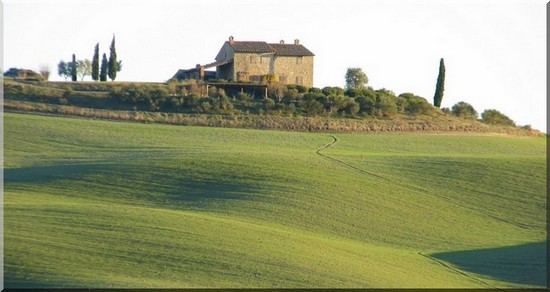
[251, 66]
[255, 65]
[294, 70]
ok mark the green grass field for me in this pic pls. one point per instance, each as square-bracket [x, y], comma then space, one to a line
[110, 204]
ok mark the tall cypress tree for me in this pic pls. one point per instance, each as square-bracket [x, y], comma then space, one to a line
[73, 68]
[95, 63]
[104, 68]
[113, 64]
[440, 86]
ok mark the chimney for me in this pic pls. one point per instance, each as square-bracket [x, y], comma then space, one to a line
[282, 42]
[296, 41]
[231, 39]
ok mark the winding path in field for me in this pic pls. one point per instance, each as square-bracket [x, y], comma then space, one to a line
[409, 186]
[335, 140]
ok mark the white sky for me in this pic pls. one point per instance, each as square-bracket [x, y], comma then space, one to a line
[494, 50]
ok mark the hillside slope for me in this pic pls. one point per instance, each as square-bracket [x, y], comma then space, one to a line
[314, 112]
[110, 204]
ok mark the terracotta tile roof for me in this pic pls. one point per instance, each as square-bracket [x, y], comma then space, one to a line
[291, 50]
[251, 47]
[263, 47]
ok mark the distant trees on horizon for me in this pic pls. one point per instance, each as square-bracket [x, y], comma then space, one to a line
[104, 68]
[95, 63]
[85, 67]
[113, 66]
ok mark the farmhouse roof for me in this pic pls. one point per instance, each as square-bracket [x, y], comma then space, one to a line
[251, 47]
[291, 50]
[264, 48]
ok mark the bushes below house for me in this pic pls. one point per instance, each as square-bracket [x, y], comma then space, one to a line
[413, 104]
[149, 97]
[286, 100]
[494, 117]
[282, 100]
[363, 105]
[491, 116]
[315, 124]
[464, 110]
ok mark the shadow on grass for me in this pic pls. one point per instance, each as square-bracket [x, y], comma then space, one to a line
[142, 181]
[523, 264]
[194, 190]
[20, 283]
[48, 173]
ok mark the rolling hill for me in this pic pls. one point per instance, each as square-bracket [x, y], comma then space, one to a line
[91, 203]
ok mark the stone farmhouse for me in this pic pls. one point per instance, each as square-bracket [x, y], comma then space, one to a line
[249, 61]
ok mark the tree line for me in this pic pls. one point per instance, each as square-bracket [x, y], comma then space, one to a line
[99, 72]
[356, 100]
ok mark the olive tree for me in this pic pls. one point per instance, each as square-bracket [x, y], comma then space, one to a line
[356, 79]
[492, 116]
[464, 110]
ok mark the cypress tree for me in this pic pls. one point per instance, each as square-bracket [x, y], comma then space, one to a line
[104, 68]
[113, 64]
[95, 63]
[440, 86]
[73, 68]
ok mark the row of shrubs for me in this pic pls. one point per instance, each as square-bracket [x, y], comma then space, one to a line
[286, 100]
[281, 100]
[315, 124]
[292, 100]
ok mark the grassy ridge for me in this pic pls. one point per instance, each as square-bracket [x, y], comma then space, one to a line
[96, 203]
[169, 103]
[287, 123]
